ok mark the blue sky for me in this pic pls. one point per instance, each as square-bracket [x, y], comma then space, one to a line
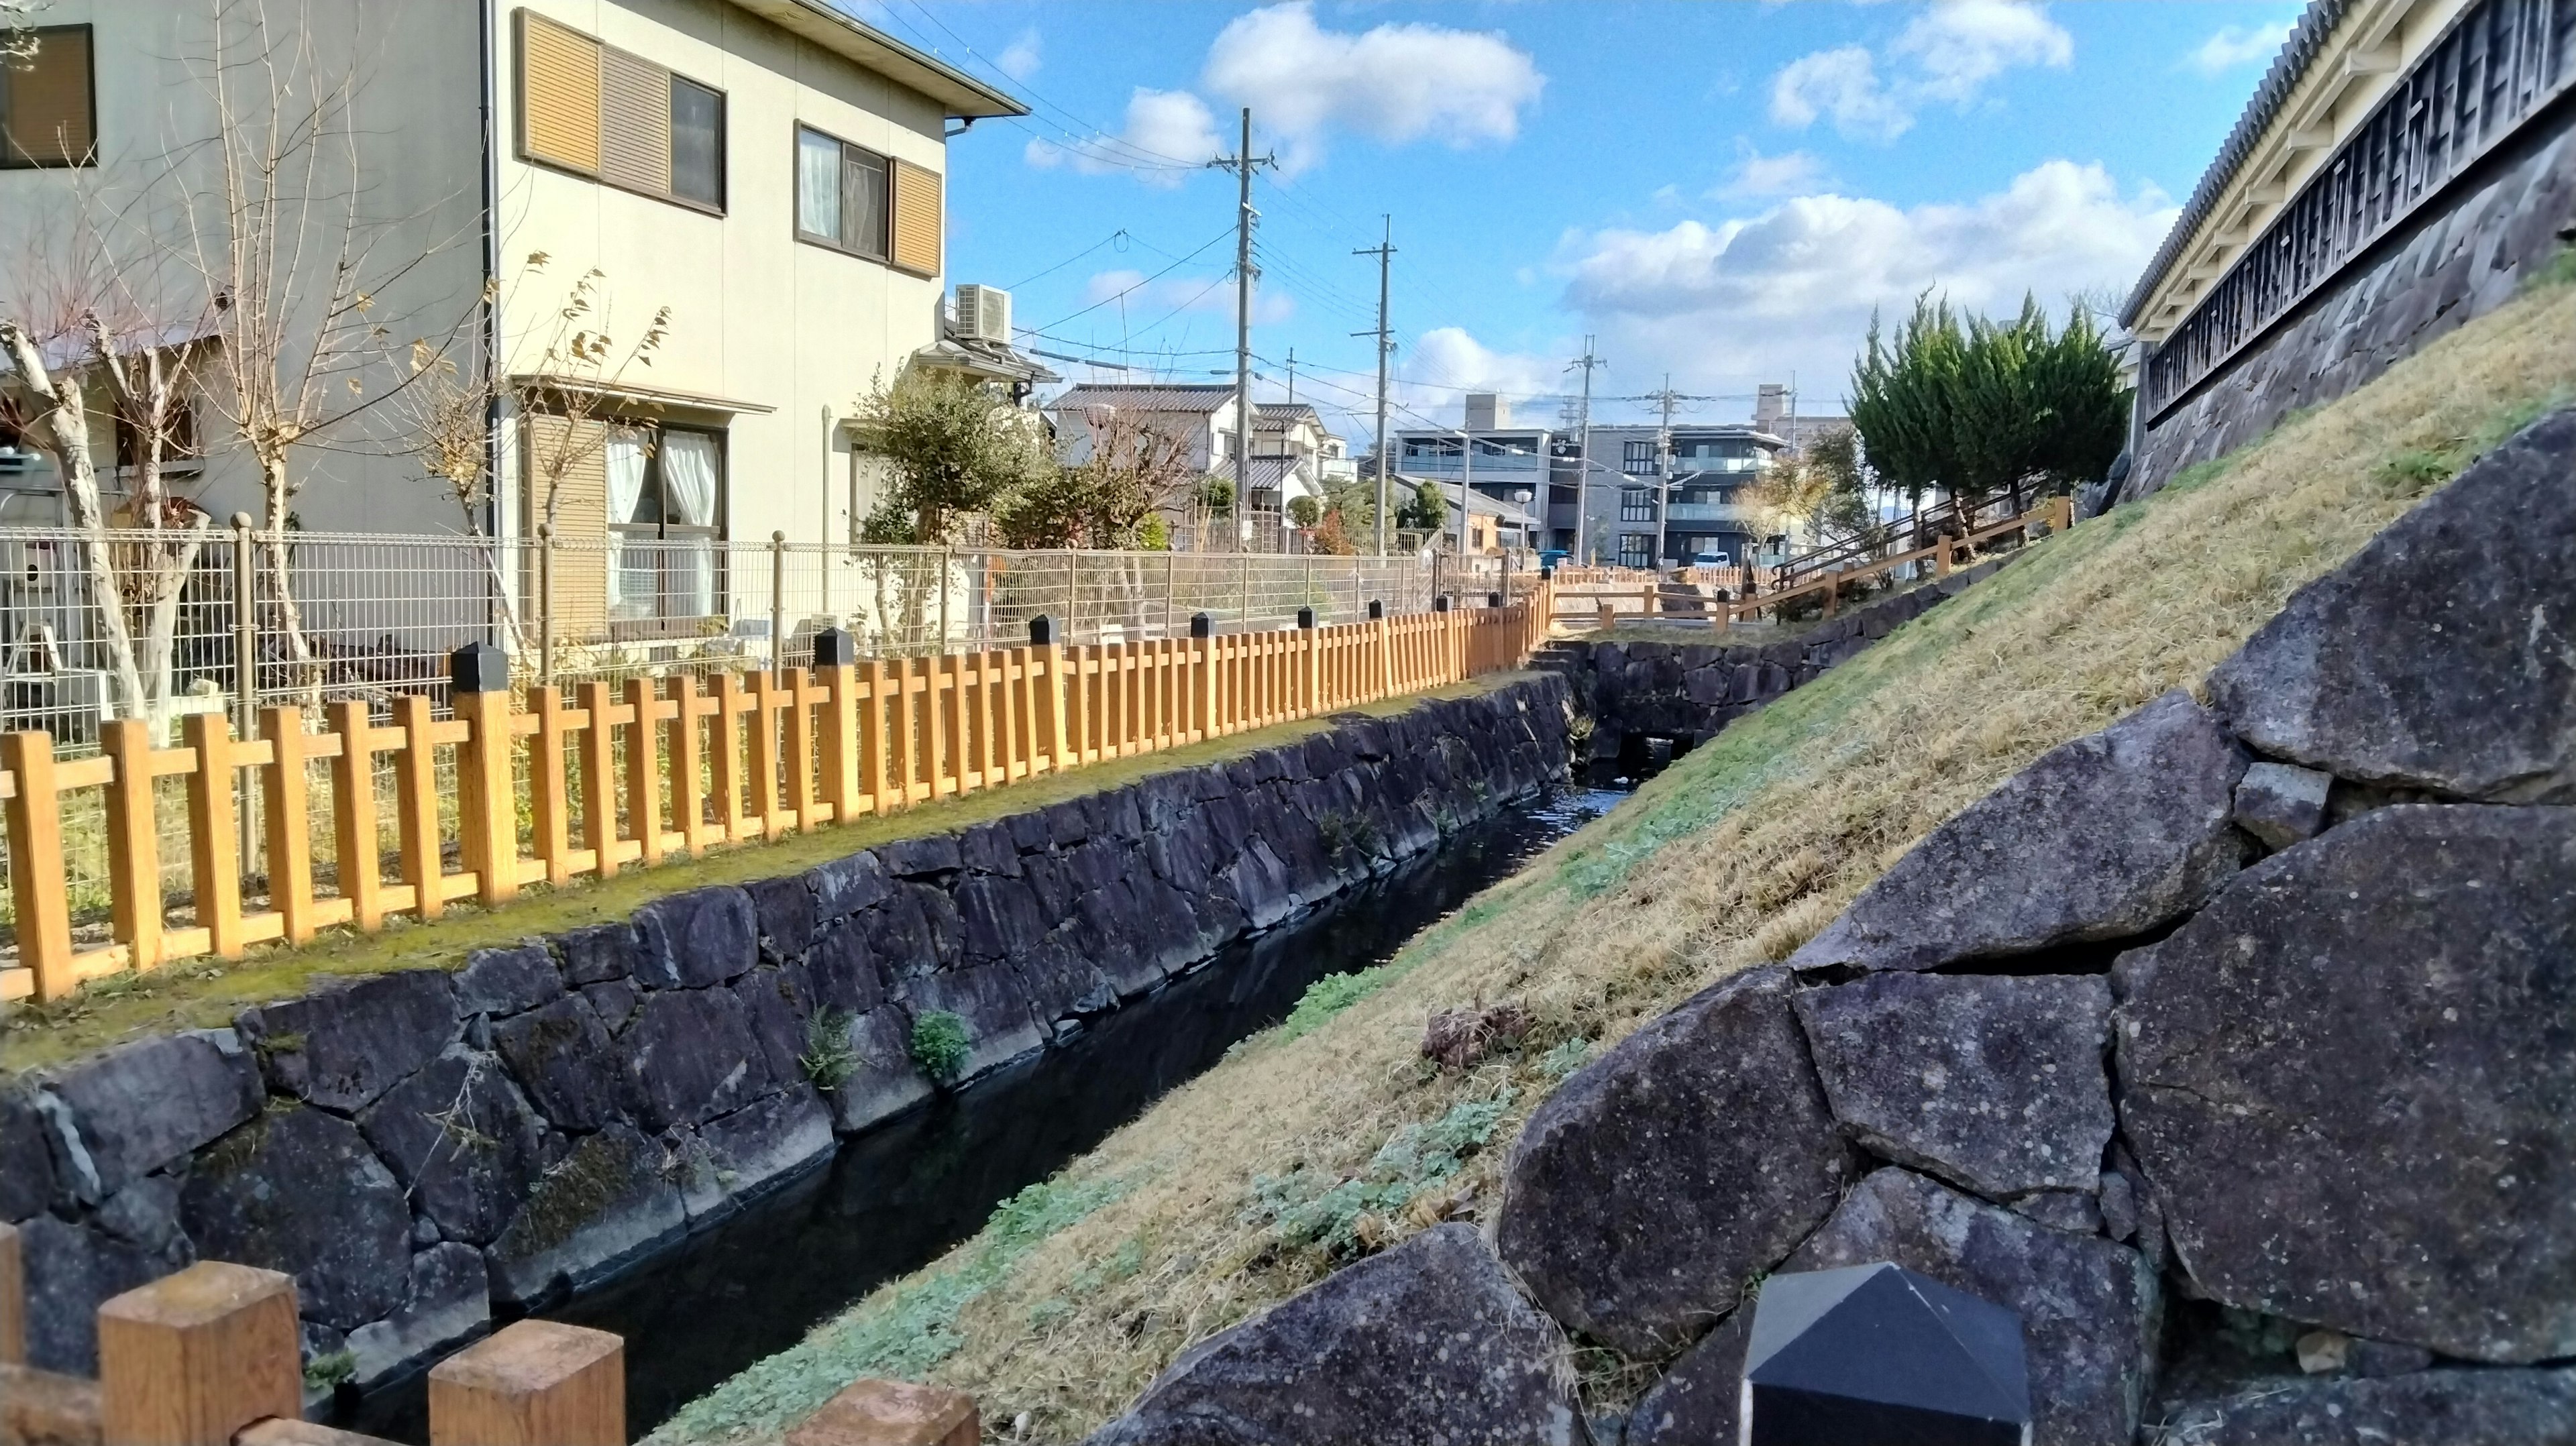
[1717, 191]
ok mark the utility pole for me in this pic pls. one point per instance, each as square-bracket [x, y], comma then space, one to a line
[1583, 451]
[1667, 399]
[1384, 251]
[1243, 163]
[1292, 376]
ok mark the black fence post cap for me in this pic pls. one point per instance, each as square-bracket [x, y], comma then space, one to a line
[1547, 574]
[478, 668]
[1041, 631]
[1202, 626]
[1878, 1353]
[834, 648]
[1305, 617]
[1440, 604]
[1377, 609]
[1493, 599]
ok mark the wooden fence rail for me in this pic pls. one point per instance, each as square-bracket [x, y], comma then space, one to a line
[629, 775]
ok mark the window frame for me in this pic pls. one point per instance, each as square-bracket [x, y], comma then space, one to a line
[1635, 453]
[724, 138]
[660, 624]
[796, 203]
[1636, 504]
[1636, 549]
[522, 151]
[11, 158]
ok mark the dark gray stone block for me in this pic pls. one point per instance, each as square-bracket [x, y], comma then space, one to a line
[1427, 1342]
[2111, 835]
[449, 1302]
[503, 982]
[71, 1271]
[2440, 656]
[763, 1143]
[611, 1199]
[2281, 804]
[341, 1046]
[845, 886]
[691, 940]
[145, 1214]
[26, 1160]
[140, 1106]
[462, 1140]
[883, 1081]
[2088, 1307]
[2349, 1079]
[1994, 1084]
[615, 1002]
[842, 969]
[1698, 1400]
[1660, 1178]
[692, 1057]
[774, 1009]
[299, 1191]
[921, 858]
[783, 913]
[597, 953]
[562, 1056]
[2452, 1407]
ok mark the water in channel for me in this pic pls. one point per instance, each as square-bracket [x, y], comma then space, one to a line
[897, 1197]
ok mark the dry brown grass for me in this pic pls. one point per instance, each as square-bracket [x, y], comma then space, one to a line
[1733, 857]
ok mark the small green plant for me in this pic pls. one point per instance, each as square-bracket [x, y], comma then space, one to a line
[328, 1372]
[1566, 1058]
[1302, 1209]
[2558, 270]
[940, 1044]
[1329, 996]
[1342, 831]
[829, 1058]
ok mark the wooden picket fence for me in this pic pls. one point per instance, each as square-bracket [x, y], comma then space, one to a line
[652, 768]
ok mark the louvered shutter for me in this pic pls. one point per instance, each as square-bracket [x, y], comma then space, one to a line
[48, 116]
[571, 458]
[559, 76]
[634, 122]
[916, 219]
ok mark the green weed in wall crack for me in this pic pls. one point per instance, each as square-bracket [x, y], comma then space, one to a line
[829, 1058]
[1301, 1209]
[940, 1044]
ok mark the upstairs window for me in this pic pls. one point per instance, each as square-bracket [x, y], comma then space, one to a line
[48, 108]
[616, 117]
[1637, 457]
[1636, 504]
[1636, 549]
[852, 199]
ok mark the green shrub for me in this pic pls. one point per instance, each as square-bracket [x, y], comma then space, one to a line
[940, 1044]
[829, 1058]
[1302, 1209]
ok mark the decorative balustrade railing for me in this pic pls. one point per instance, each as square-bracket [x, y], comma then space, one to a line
[2497, 66]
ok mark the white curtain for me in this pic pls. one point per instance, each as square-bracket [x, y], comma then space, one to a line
[818, 185]
[689, 491]
[630, 568]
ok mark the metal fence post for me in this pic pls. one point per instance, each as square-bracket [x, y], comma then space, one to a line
[1167, 594]
[947, 577]
[546, 603]
[245, 669]
[1072, 593]
[778, 605]
[1243, 588]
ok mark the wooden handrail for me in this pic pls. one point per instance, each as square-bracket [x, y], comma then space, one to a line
[739, 761]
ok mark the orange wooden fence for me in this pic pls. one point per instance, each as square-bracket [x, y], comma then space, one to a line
[617, 776]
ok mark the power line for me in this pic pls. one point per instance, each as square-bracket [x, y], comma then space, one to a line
[1122, 292]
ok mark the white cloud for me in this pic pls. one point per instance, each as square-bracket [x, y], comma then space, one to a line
[1395, 84]
[1792, 289]
[1443, 361]
[2234, 45]
[1022, 57]
[1946, 54]
[1756, 174]
[1168, 135]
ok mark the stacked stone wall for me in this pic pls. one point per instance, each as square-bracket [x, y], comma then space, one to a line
[417, 1148]
[2229, 1047]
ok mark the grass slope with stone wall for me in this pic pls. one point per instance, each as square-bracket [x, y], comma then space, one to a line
[1332, 1137]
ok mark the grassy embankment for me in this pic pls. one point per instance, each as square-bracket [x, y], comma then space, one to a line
[200, 993]
[1329, 1136]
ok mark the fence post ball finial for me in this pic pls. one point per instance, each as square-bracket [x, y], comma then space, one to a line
[478, 668]
[1202, 626]
[1305, 617]
[1041, 631]
[834, 648]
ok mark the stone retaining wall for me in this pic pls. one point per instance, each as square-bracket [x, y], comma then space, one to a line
[418, 1147]
[2230, 1047]
[1688, 691]
[2452, 265]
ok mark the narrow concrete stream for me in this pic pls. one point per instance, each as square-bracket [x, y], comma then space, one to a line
[897, 1197]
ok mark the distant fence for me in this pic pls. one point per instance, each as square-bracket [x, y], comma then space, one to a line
[427, 809]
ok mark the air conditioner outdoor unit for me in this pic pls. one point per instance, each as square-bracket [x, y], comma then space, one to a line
[984, 312]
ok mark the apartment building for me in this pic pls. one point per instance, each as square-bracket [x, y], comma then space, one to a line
[760, 183]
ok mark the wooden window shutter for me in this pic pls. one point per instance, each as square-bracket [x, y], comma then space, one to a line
[634, 122]
[916, 218]
[48, 119]
[571, 458]
[559, 73]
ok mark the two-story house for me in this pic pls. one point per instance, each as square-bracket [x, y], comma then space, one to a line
[768, 175]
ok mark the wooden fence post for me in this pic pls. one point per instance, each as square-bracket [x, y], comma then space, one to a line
[1202, 676]
[213, 834]
[36, 861]
[13, 1297]
[1383, 675]
[834, 653]
[548, 798]
[487, 807]
[535, 1383]
[290, 828]
[1052, 695]
[416, 806]
[644, 756]
[1310, 683]
[891, 1413]
[133, 842]
[599, 777]
[194, 1357]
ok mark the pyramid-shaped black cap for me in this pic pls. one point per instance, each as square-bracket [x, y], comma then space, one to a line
[1873, 1353]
